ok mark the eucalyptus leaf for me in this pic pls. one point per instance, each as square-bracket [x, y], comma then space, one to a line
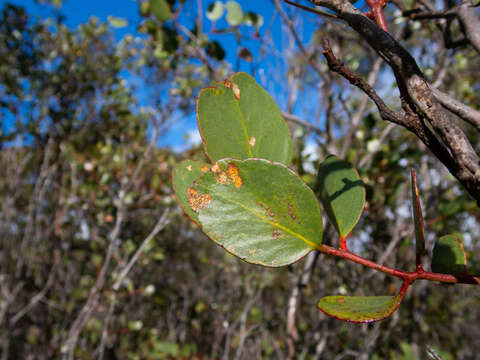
[239, 119]
[449, 256]
[259, 211]
[342, 193]
[418, 219]
[214, 11]
[360, 308]
[117, 22]
[161, 9]
[234, 13]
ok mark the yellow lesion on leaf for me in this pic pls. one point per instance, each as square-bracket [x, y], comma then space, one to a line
[196, 200]
[189, 167]
[252, 141]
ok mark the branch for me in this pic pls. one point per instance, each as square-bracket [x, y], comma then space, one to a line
[458, 108]
[337, 66]
[469, 18]
[42, 293]
[161, 223]
[453, 150]
[415, 14]
[296, 120]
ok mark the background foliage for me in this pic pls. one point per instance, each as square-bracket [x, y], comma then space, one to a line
[85, 179]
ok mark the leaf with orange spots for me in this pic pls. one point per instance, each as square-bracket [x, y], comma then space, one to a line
[360, 308]
[239, 119]
[184, 174]
[259, 211]
[342, 193]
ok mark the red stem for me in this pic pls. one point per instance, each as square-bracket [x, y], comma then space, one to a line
[409, 277]
[376, 7]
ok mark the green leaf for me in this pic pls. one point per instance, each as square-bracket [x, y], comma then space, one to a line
[161, 9]
[342, 194]
[214, 49]
[449, 256]
[360, 308]
[234, 13]
[117, 22]
[214, 11]
[239, 119]
[259, 211]
[183, 176]
[418, 219]
[253, 19]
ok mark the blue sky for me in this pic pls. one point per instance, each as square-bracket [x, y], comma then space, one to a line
[79, 11]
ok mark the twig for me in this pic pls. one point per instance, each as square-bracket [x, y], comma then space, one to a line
[460, 109]
[295, 119]
[38, 297]
[337, 66]
[299, 42]
[161, 223]
[312, 10]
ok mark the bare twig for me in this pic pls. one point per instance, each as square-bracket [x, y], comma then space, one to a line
[337, 66]
[463, 111]
[38, 297]
[161, 223]
[309, 126]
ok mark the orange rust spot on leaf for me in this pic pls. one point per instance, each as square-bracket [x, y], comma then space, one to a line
[252, 252]
[228, 83]
[197, 201]
[204, 168]
[229, 176]
[252, 141]
[220, 175]
[340, 301]
[232, 172]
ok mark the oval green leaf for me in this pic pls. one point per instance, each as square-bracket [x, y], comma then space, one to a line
[449, 256]
[234, 13]
[342, 193]
[161, 9]
[117, 22]
[360, 309]
[239, 119]
[183, 176]
[418, 220]
[214, 11]
[259, 211]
